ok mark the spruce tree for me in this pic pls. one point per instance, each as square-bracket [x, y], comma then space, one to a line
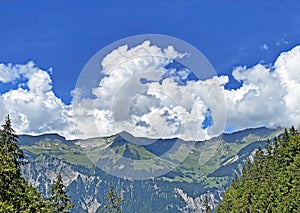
[271, 183]
[59, 200]
[10, 146]
[15, 193]
[113, 201]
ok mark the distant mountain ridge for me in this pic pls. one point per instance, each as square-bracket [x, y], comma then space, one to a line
[176, 174]
[30, 140]
[261, 131]
[27, 139]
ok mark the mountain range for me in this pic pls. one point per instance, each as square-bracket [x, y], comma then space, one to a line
[163, 175]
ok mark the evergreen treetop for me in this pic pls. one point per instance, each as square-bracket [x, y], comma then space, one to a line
[113, 201]
[271, 183]
[59, 200]
[16, 195]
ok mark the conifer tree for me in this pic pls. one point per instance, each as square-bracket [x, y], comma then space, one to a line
[15, 193]
[113, 201]
[10, 146]
[271, 183]
[59, 200]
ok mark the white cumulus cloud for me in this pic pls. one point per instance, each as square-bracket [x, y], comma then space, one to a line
[140, 94]
[33, 106]
[268, 96]
[158, 107]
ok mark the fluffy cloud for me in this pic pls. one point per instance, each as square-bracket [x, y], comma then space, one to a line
[33, 106]
[9, 73]
[268, 96]
[140, 93]
[258, 102]
[288, 68]
[162, 107]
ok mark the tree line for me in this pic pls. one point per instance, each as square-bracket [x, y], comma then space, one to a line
[270, 182]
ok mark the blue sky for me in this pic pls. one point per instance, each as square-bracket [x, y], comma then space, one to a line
[64, 35]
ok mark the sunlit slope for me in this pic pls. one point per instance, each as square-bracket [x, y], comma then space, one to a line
[184, 161]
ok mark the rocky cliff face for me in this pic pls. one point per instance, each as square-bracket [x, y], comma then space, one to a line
[82, 187]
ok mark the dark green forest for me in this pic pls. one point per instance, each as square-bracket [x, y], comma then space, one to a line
[270, 182]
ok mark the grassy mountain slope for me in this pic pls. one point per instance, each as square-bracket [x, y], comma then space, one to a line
[192, 168]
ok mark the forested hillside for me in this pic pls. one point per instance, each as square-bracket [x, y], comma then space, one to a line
[270, 182]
